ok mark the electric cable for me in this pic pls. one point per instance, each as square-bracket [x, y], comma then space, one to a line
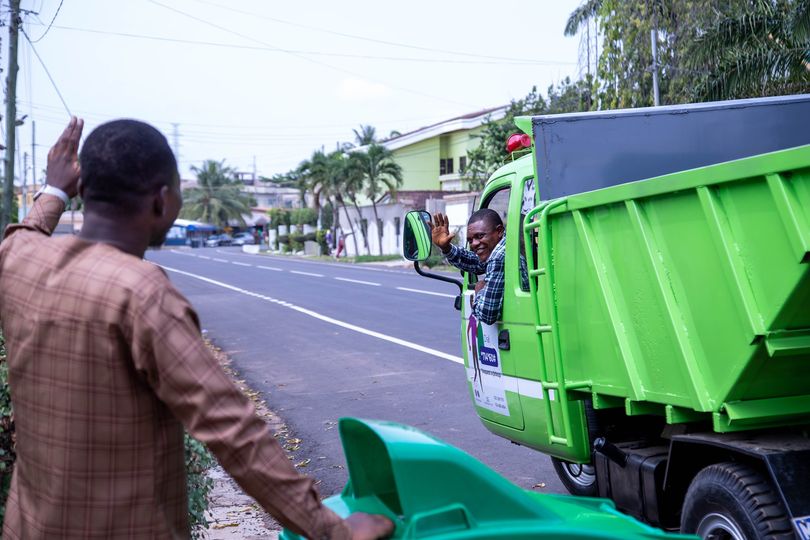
[381, 41]
[301, 56]
[49, 25]
[48, 73]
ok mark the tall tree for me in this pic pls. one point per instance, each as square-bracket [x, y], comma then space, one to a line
[316, 170]
[712, 49]
[381, 175]
[352, 182]
[365, 135]
[217, 197]
[490, 152]
[760, 51]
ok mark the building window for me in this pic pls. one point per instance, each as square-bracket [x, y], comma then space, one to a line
[462, 164]
[446, 166]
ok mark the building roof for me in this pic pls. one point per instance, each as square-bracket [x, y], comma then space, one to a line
[466, 121]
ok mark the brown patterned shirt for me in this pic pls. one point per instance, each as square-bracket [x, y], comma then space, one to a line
[106, 366]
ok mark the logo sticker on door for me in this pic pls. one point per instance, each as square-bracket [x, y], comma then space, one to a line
[484, 372]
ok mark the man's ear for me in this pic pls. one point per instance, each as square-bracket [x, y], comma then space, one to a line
[80, 188]
[159, 203]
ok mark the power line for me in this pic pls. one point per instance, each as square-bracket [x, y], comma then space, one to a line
[379, 41]
[313, 53]
[49, 25]
[48, 73]
[297, 55]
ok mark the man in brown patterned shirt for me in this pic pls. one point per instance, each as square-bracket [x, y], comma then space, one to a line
[107, 365]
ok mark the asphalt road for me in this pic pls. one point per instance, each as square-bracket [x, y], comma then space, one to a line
[324, 340]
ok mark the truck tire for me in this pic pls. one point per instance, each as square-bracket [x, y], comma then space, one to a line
[734, 501]
[578, 479]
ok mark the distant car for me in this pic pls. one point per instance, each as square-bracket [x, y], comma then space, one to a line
[217, 240]
[243, 238]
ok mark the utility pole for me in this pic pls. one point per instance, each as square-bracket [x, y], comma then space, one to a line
[33, 153]
[176, 141]
[23, 187]
[654, 46]
[11, 112]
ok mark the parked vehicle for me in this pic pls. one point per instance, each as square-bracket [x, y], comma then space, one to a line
[217, 240]
[661, 351]
[243, 238]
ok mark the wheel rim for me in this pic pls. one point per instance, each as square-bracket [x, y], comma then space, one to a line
[718, 527]
[582, 475]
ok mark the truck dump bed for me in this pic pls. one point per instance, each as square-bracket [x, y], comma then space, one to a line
[685, 295]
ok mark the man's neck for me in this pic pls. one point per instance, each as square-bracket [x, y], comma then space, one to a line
[125, 235]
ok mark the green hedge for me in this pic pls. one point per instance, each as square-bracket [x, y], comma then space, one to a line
[198, 460]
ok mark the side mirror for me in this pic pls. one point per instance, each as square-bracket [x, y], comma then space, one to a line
[416, 242]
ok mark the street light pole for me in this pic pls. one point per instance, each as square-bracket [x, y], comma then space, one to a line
[11, 112]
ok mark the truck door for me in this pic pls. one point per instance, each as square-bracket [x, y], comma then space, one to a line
[490, 366]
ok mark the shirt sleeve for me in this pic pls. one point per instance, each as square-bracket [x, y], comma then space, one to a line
[169, 351]
[43, 217]
[465, 260]
[489, 300]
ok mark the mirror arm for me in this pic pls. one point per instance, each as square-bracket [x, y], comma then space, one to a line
[437, 276]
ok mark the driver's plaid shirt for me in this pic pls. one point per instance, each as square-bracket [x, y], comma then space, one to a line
[489, 300]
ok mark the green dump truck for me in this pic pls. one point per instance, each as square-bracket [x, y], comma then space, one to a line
[656, 342]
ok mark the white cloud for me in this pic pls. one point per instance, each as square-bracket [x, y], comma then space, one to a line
[361, 90]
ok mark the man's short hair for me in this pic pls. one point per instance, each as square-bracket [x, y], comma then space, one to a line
[488, 216]
[123, 160]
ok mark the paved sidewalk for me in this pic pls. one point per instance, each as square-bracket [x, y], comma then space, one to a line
[232, 514]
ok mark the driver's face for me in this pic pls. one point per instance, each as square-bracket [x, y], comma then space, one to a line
[483, 238]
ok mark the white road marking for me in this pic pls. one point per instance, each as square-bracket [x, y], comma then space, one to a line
[221, 260]
[324, 318]
[305, 273]
[240, 264]
[182, 253]
[204, 257]
[269, 268]
[426, 292]
[358, 281]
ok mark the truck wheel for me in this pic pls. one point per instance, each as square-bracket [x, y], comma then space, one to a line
[578, 479]
[734, 501]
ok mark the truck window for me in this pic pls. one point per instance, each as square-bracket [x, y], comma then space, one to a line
[525, 207]
[499, 202]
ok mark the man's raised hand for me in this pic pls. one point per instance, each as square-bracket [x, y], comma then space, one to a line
[440, 232]
[63, 159]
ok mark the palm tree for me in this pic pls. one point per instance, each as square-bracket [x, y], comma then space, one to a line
[365, 136]
[381, 175]
[216, 198]
[351, 182]
[759, 51]
[316, 171]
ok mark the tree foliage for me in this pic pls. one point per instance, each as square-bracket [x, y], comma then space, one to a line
[217, 198]
[760, 51]
[491, 151]
[381, 175]
[707, 49]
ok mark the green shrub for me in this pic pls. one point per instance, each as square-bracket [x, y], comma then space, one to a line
[278, 216]
[303, 216]
[320, 237]
[6, 433]
[198, 459]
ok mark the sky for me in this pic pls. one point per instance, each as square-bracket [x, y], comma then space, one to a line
[263, 84]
